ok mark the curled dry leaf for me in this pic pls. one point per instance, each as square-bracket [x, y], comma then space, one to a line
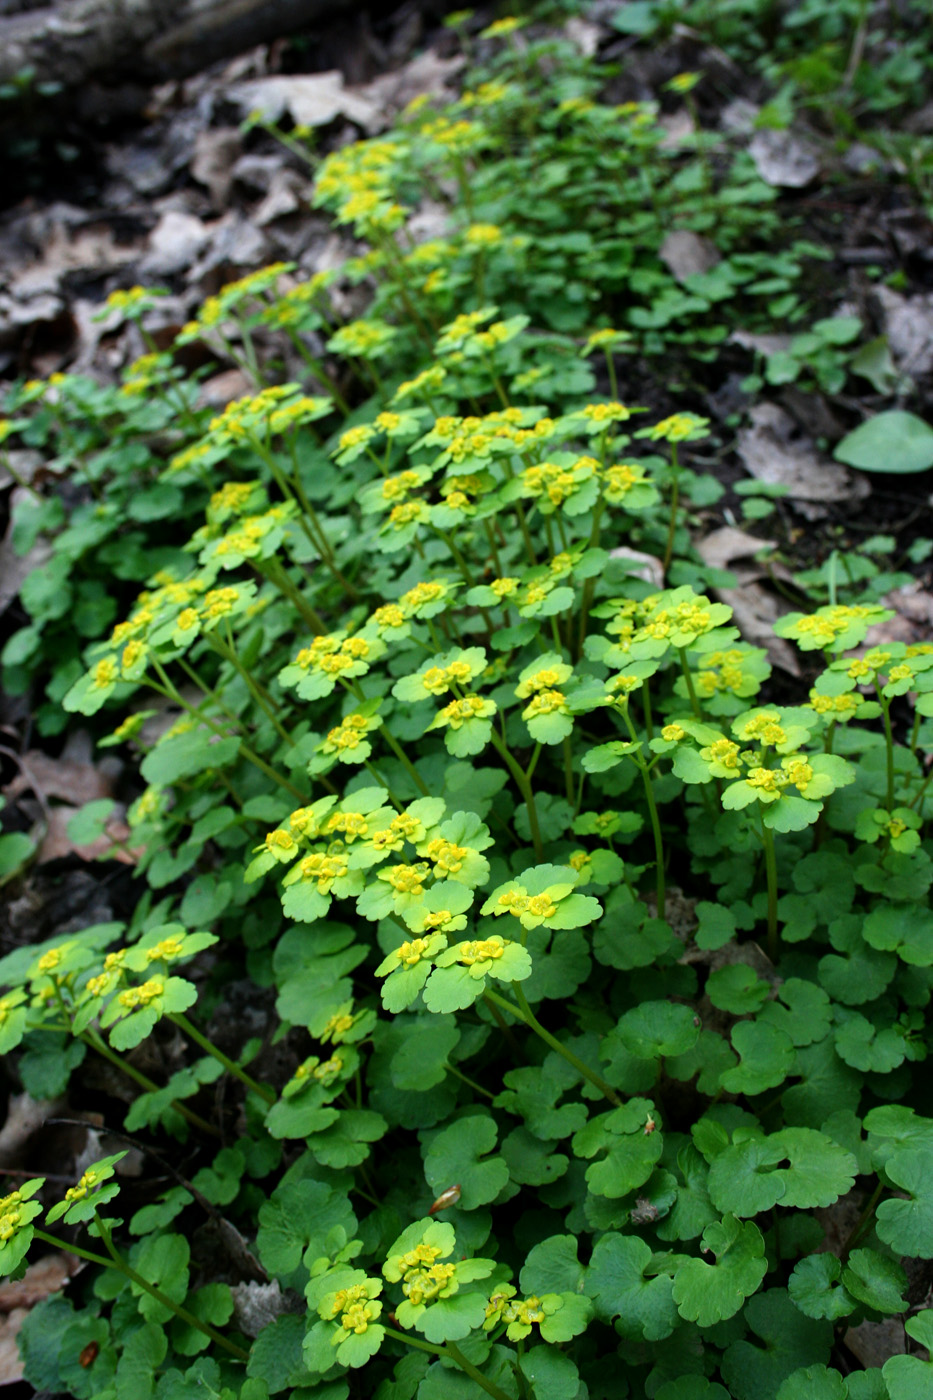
[755, 608]
[686, 254]
[783, 159]
[771, 451]
[908, 325]
[47, 1275]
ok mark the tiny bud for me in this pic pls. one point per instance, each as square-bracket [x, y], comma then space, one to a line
[650, 1125]
[89, 1355]
[447, 1198]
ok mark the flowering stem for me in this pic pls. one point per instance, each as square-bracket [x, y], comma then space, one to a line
[524, 1013]
[405, 761]
[862, 1221]
[688, 682]
[889, 743]
[455, 1354]
[610, 366]
[265, 702]
[641, 765]
[100, 1046]
[477, 1088]
[167, 688]
[767, 839]
[116, 1261]
[568, 768]
[276, 574]
[675, 498]
[229, 1065]
[524, 787]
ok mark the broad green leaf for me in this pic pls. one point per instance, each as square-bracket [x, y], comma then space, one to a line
[631, 1138]
[643, 1307]
[552, 1374]
[816, 1288]
[553, 1267]
[894, 441]
[459, 1155]
[813, 1383]
[658, 1028]
[907, 1226]
[747, 1177]
[766, 1058]
[708, 1293]
[875, 1280]
[788, 1340]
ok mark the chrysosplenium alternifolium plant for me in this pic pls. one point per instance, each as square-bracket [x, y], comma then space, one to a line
[555, 1124]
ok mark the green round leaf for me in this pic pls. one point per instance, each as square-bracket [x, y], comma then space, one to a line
[895, 442]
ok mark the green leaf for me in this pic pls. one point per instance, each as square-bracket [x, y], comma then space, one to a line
[451, 1319]
[747, 1179]
[421, 1060]
[766, 1058]
[616, 1281]
[658, 1028]
[632, 1141]
[716, 925]
[894, 442]
[552, 1374]
[458, 1155]
[161, 1260]
[908, 1378]
[813, 1383]
[875, 1280]
[816, 1289]
[553, 1267]
[140, 1360]
[300, 1217]
[736, 988]
[907, 1226]
[708, 1293]
[790, 1340]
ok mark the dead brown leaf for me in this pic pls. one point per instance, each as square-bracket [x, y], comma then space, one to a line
[72, 781]
[755, 607]
[908, 325]
[215, 152]
[56, 842]
[47, 1275]
[685, 254]
[645, 566]
[873, 1343]
[784, 159]
[772, 450]
[24, 1116]
[11, 1364]
[310, 99]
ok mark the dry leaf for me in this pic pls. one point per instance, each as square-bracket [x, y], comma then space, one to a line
[719, 548]
[215, 151]
[73, 781]
[908, 325]
[56, 843]
[24, 1116]
[47, 1275]
[174, 244]
[783, 159]
[685, 254]
[640, 565]
[772, 451]
[426, 74]
[310, 99]
[11, 1364]
[873, 1343]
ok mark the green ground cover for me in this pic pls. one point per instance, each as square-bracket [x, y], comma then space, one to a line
[599, 962]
